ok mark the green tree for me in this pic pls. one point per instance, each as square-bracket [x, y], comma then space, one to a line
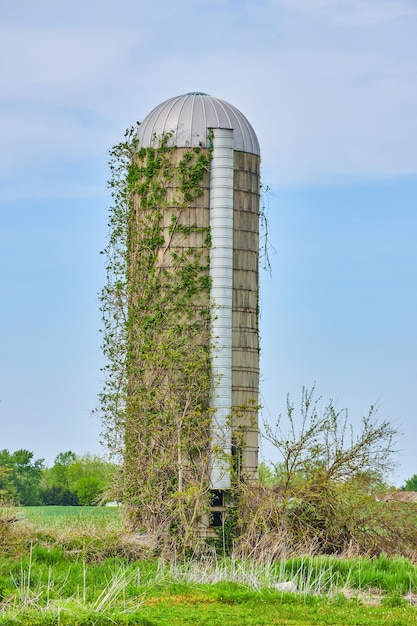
[72, 475]
[20, 477]
[89, 489]
[59, 471]
[55, 481]
[90, 476]
[411, 483]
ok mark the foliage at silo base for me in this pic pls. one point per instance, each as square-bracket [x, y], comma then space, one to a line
[323, 518]
[156, 312]
[323, 495]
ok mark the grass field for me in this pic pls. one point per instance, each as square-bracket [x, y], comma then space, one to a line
[76, 566]
[54, 514]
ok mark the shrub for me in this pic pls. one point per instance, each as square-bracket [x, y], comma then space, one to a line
[59, 496]
[324, 496]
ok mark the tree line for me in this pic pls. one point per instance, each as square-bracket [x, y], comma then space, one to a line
[73, 480]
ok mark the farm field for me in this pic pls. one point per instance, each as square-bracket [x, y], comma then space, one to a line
[76, 565]
[55, 514]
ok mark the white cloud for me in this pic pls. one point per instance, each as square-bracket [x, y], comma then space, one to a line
[330, 87]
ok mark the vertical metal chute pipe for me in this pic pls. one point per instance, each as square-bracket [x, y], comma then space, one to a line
[221, 275]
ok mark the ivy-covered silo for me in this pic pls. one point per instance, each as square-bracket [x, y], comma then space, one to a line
[191, 368]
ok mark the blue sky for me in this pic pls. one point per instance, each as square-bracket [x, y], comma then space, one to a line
[330, 87]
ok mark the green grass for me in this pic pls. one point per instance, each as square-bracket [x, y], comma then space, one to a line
[231, 607]
[46, 583]
[77, 565]
[220, 605]
[51, 513]
[72, 520]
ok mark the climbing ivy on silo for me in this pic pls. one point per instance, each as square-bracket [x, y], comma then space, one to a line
[156, 314]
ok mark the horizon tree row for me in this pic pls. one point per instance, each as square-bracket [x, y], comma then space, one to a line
[72, 480]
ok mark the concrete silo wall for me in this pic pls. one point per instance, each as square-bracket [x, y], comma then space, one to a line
[195, 216]
[245, 304]
[245, 358]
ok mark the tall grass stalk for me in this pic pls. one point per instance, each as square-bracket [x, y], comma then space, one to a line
[128, 585]
[96, 570]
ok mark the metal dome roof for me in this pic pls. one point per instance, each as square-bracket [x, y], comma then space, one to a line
[189, 116]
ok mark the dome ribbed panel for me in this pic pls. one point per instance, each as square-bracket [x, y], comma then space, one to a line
[188, 118]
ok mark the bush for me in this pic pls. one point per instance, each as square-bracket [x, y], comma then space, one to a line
[323, 518]
[59, 496]
[324, 496]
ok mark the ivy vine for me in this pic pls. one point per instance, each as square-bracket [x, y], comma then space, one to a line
[156, 324]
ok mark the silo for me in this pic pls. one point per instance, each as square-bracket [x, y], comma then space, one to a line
[229, 206]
